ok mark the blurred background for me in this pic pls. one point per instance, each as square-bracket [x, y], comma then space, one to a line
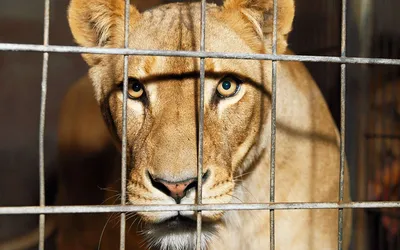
[372, 103]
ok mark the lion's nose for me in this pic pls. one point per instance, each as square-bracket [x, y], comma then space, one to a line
[176, 190]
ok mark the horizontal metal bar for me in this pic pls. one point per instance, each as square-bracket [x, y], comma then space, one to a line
[203, 207]
[122, 51]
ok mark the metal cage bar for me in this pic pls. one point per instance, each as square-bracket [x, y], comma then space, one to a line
[16, 47]
[342, 122]
[9, 210]
[273, 129]
[201, 124]
[122, 233]
[42, 123]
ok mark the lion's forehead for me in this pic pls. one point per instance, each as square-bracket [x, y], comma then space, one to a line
[177, 27]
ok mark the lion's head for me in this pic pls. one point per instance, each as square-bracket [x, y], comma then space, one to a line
[164, 92]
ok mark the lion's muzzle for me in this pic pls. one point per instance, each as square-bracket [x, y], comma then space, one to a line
[176, 189]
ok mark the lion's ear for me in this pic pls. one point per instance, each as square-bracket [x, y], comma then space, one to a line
[260, 13]
[98, 23]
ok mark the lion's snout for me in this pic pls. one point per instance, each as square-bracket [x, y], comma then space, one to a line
[177, 189]
[152, 187]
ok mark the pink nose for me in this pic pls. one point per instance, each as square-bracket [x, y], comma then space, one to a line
[177, 190]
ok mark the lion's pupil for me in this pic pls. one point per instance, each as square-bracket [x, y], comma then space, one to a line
[136, 87]
[226, 85]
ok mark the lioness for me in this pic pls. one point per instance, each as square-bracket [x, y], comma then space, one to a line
[162, 113]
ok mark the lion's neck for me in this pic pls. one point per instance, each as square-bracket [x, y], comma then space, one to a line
[252, 182]
[242, 228]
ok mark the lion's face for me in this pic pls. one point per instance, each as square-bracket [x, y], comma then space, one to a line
[163, 111]
[164, 105]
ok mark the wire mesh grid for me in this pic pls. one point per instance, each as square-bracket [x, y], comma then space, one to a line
[343, 60]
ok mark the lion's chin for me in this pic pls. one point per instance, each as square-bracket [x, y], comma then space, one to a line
[177, 233]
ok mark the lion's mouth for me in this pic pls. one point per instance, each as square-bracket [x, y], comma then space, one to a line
[177, 232]
[179, 222]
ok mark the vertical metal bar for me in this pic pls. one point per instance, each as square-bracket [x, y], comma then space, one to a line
[201, 125]
[273, 128]
[342, 123]
[124, 128]
[361, 11]
[42, 123]
[342, 153]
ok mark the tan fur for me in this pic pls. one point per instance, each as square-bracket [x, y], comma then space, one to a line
[162, 134]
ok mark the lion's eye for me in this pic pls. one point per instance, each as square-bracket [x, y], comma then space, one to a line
[135, 89]
[227, 87]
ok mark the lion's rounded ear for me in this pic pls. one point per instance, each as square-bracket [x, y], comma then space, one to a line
[261, 14]
[98, 23]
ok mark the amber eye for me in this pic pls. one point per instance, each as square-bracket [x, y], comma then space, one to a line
[227, 87]
[135, 89]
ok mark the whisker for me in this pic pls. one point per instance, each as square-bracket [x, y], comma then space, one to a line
[258, 217]
[108, 189]
[143, 243]
[135, 218]
[116, 196]
[248, 191]
[242, 175]
[233, 196]
[102, 232]
[141, 223]
[130, 215]
[115, 220]
[242, 188]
